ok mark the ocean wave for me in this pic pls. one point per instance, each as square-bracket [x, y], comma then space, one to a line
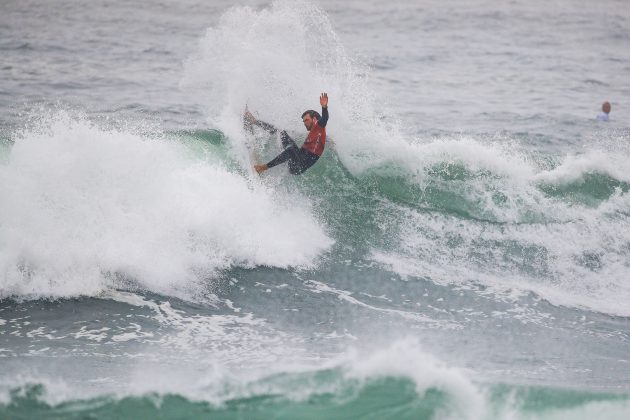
[84, 208]
[356, 382]
[473, 213]
[474, 179]
[400, 381]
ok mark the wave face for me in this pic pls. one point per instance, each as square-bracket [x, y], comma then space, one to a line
[118, 209]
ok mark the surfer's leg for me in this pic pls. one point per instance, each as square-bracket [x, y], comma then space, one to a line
[295, 159]
[302, 161]
[281, 158]
[288, 154]
[286, 140]
[298, 159]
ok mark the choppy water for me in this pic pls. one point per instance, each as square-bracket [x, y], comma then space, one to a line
[461, 250]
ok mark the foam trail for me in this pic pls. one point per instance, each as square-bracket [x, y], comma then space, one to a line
[576, 263]
[82, 207]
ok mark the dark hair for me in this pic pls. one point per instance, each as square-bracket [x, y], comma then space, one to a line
[313, 114]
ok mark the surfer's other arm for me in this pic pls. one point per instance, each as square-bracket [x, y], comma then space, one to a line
[251, 120]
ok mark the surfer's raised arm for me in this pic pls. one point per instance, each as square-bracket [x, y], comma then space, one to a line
[323, 101]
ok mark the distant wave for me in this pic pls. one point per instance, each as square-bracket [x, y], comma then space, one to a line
[594, 82]
[396, 382]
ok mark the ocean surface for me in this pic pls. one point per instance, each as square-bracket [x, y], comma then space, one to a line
[460, 251]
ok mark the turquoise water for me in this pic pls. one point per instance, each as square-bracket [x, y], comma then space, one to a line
[384, 398]
[459, 251]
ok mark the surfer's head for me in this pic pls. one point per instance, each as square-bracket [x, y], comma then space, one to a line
[309, 117]
[606, 107]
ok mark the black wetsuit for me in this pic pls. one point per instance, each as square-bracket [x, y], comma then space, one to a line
[297, 158]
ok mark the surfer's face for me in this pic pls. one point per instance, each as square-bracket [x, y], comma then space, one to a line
[308, 122]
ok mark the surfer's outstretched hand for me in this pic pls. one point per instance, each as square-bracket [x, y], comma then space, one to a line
[323, 100]
[248, 117]
[261, 168]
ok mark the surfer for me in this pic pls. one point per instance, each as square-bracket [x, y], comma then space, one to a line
[603, 116]
[299, 159]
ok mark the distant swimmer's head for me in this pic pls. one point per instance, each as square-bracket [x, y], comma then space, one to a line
[606, 107]
[309, 117]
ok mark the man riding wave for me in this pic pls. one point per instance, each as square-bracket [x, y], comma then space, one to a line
[302, 158]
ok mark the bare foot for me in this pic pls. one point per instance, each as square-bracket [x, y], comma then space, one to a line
[261, 168]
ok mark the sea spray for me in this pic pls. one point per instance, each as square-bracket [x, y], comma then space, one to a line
[84, 207]
[277, 60]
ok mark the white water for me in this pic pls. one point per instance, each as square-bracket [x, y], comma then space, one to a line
[278, 59]
[82, 205]
[84, 208]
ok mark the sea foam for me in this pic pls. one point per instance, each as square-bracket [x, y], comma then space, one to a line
[84, 208]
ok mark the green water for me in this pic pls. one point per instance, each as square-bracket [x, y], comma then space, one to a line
[390, 398]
